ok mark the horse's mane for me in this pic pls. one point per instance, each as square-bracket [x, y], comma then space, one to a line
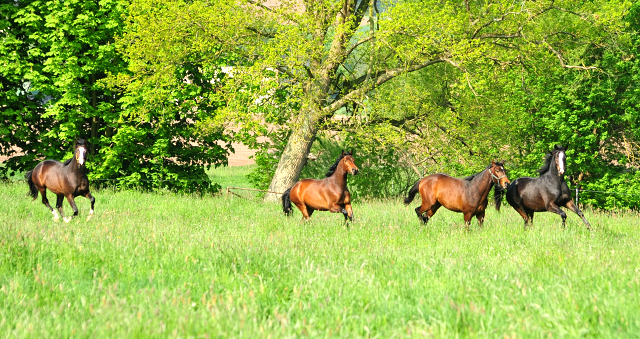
[68, 161]
[547, 159]
[335, 165]
[469, 178]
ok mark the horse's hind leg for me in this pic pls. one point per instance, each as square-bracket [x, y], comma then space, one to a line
[72, 202]
[306, 212]
[425, 212]
[45, 201]
[93, 201]
[570, 205]
[523, 214]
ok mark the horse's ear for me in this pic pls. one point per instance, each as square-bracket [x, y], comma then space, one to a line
[342, 154]
[353, 152]
[558, 147]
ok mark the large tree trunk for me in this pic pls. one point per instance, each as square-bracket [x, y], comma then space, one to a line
[294, 155]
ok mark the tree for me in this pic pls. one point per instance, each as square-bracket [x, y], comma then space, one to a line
[52, 54]
[330, 55]
[55, 58]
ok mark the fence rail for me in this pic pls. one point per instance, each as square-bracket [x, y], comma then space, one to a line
[229, 188]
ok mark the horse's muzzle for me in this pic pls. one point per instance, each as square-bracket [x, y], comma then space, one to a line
[354, 171]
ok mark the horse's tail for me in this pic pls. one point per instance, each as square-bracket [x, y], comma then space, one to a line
[412, 193]
[498, 193]
[33, 190]
[286, 202]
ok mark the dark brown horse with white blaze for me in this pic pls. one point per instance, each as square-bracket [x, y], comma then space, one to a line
[467, 196]
[548, 192]
[66, 179]
[328, 194]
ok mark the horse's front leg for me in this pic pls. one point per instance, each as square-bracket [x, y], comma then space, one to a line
[467, 220]
[480, 217]
[72, 202]
[570, 205]
[552, 207]
[349, 212]
[93, 201]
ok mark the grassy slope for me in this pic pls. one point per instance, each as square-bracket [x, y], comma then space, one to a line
[170, 265]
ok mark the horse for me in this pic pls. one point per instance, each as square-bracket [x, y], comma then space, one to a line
[467, 195]
[328, 194]
[66, 179]
[548, 192]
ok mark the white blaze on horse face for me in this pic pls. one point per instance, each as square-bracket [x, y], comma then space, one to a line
[81, 154]
[561, 157]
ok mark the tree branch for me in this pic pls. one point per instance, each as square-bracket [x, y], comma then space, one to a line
[261, 33]
[379, 80]
[562, 60]
[357, 44]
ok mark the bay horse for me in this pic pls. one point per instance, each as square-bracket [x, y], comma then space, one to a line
[548, 192]
[467, 196]
[66, 179]
[328, 194]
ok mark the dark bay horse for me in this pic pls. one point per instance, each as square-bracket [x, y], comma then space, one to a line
[547, 192]
[467, 196]
[328, 194]
[66, 179]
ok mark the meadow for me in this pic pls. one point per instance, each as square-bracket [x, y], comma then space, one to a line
[168, 265]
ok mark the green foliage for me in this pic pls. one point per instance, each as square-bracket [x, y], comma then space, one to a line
[164, 108]
[55, 58]
[595, 114]
[266, 157]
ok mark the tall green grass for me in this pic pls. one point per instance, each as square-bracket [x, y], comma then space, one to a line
[159, 264]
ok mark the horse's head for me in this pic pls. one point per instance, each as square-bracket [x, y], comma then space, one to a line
[560, 158]
[348, 163]
[499, 175]
[81, 151]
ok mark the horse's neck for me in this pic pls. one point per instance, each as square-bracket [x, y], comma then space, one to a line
[75, 169]
[339, 176]
[552, 174]
[483, 183]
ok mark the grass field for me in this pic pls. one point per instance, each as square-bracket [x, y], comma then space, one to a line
[166, 265]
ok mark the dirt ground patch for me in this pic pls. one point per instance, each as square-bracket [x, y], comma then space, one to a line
[241, 156]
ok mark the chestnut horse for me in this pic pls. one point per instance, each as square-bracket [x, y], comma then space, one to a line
[328, 194]
[66, 179]
[467, 195]
[547, 192]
